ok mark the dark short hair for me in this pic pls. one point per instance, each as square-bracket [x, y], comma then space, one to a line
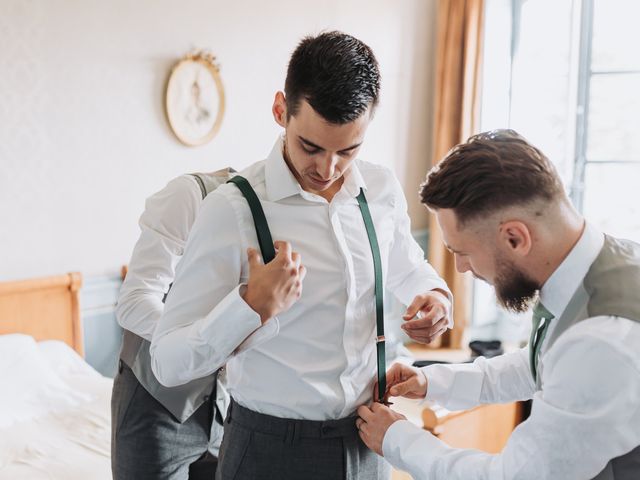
[336, 73]
[490, 171]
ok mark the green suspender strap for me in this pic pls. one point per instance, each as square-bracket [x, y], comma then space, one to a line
[200, 183]
[379, 294]
[262, 228]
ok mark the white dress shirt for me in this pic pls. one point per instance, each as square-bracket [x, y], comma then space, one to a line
[317, 360]
[587, 413]
[164, 228]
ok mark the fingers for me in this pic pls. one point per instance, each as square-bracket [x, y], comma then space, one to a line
[366, 413]
[428, 335]
[395, 374]
[397, 377]
[255, 259]
[302, 272]
[283, 250]
[291, 260]
[433, 305]
[382, 401]
[435, 314]
[375, 391]
[400, 389]
[282, 278]
[428, 320]
[414, 308]
[363, 428]
[297, 259]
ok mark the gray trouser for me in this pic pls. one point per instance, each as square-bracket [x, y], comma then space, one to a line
[257, 446]
[147, 442]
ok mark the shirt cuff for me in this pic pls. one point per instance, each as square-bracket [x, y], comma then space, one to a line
[410, 448]
[449, 295]
[421, 281]
[230, 322]
[453, 386]
[267, 331]
[418, 284]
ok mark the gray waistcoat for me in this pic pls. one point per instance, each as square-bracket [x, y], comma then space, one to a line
[611, 287]
[185, 399]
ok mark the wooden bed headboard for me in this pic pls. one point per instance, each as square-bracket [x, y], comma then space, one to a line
[45, 308]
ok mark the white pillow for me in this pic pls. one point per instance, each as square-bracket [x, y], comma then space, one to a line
[64, 360]
[29, 387]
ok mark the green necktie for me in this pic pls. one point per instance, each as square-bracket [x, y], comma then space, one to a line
[541, 319]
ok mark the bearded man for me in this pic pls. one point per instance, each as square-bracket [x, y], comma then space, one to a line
[505, 216]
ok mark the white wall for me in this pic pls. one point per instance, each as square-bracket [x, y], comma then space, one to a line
[83, 138]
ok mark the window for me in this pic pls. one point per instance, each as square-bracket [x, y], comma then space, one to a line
[608, 140]
[566, 75]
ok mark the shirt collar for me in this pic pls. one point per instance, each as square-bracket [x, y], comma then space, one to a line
[353, 181]
[281, 183]
[565, 280]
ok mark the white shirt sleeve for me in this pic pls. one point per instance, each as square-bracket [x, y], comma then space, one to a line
[409, 274]
[205, 318]
[502, 379]
[164, 228]
[587, 414]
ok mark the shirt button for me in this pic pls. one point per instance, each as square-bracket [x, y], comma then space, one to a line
[206, 398]
[326, 430]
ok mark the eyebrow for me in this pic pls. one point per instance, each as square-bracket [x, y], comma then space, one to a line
[313, 145]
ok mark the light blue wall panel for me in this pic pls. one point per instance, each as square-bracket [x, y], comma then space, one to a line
[102, 333]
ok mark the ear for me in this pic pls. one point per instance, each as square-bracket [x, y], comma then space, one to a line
[279, 109]
[515, 237]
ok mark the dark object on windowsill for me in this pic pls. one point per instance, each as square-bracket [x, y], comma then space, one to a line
[426, 363]
[479, 348]
[486, 348]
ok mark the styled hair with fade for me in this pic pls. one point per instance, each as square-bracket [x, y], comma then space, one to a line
[336, 74]
[490, 171]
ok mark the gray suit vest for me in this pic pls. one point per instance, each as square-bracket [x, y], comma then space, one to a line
[185, 399]
[611, 287]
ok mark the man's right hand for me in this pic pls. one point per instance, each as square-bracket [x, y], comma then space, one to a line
[405, 381]
[274, 287]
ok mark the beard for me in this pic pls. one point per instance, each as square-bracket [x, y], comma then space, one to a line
[515, 290]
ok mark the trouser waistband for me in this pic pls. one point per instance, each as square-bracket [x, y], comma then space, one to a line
[291, 429]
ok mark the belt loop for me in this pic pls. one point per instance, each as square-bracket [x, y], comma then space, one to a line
[292, 435]
[295, 438]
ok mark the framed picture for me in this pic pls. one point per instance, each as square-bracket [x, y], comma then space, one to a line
[195, 99]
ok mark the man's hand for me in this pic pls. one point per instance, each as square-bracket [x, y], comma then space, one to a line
[373, 424]
[405, 381]
[274, 287]
[432, 309]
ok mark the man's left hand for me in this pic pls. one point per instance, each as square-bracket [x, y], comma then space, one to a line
[373, 424]
[432, 310]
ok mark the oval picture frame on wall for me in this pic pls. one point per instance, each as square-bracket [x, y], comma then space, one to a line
[194, 99]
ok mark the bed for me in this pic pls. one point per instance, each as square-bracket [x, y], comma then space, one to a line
[54, 408]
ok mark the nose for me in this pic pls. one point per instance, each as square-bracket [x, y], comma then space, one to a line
[326, 167]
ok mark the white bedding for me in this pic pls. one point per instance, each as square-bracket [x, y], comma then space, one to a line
[65, 434]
